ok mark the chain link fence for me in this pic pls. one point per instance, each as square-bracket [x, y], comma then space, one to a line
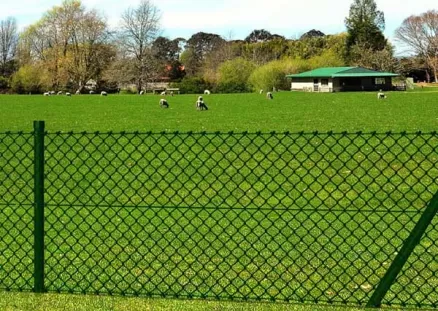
[295, 217]
[16, 211]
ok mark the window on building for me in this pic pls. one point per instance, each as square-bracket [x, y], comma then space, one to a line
[380, 81]
[324, 82]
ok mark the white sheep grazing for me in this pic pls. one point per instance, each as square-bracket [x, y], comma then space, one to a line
[52, 92]
[164, 103]
[381, 95]
[142, 92]
[68, 94]
[261, 92]
[92, 92]
[103, 93]
[207, 92]
[60, 93]
[78, 92]
[171, 93]
[269, 95]
[47, 94]
[163, 93]
[200, 104]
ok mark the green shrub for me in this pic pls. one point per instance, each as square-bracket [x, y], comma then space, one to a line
[4, 84]
[326, 59]
[30, 79]
[234, 75]
[192, 85]
[273, 74]
[129, 91]
[231, 87]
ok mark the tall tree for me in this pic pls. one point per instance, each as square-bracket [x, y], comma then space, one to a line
[140, 26]
[312, 34]
[259, 35]
[49, 39]
[166, 50]
[382, 60]
[91, 50]
[8, 45]
[365, 25]
[198, 49]
[71, 43]
[420, 34]
[167, 54]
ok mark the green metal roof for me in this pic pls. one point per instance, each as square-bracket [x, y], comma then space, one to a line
[342, 72]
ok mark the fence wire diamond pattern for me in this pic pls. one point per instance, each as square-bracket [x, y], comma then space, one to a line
[16, 211]
[303, 217]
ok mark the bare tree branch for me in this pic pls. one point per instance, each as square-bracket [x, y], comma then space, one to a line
[140, 26]
[420, 35]
[8, 42]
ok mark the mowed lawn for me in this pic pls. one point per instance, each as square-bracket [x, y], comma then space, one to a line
[266, 220]
[241, 112]
[62, 302]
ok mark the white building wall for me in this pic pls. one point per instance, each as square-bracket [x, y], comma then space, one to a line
[307, 84]
[301, 84]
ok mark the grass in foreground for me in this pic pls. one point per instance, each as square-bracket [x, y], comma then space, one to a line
[59, 302]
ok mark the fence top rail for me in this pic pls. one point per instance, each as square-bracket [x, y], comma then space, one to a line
[257, 133]
[367, 210]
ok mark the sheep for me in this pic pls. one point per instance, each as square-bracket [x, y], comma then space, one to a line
[164, 103]
[171, 93]
[261, 92]
[200, 104]
[60, 93]
[381, 95]
[163, 93]
[207, 92]
[46, 94]
[141, 92]
[269, 95]
[103, 93]
[52, 92]
[92, 92]
[67, 94]
[78, 92]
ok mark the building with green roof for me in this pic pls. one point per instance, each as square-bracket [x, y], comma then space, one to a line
[338, 79]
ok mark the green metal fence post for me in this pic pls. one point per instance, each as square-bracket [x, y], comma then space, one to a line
[401, 258]
[39, 206]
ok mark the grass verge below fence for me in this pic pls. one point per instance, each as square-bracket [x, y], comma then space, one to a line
[60, 302]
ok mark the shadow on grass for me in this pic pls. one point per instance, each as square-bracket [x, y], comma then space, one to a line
[57, 302]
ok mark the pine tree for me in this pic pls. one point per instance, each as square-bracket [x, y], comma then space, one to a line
[365, 26]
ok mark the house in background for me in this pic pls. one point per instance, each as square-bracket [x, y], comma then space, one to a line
[341, 79]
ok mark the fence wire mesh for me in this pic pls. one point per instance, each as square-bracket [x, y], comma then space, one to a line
[303, 217]
[16, 211]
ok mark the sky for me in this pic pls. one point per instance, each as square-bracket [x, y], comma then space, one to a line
[234, 19]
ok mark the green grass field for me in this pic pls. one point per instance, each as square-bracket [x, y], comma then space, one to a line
[292, 218]
[60, 302]
[242, 112]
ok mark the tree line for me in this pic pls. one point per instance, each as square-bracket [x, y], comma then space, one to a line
[71, 45]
